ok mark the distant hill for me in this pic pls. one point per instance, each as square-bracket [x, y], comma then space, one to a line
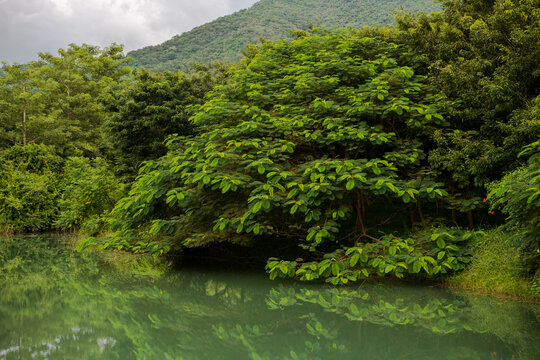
[224, 38]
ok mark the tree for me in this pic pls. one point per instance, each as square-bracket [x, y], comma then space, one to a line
[151, 107]
[310, 143]
[483, 55]
[21, 111]
[74, 86]
[30, 185]
[90, 191]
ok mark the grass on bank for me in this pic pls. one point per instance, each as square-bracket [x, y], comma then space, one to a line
[496, 269]
[123, 263]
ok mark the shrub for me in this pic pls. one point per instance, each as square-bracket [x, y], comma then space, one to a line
[90, 192]
[30, 185]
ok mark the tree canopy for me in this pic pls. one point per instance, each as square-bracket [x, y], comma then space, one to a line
[151, 107]
[309, 142]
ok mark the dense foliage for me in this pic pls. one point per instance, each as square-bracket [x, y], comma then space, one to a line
[29, 187]
[345, 154]
[91, 190]
[518, 195]
[58, 100]
[483, 55]
[226, 37]
[310, 142]
[151, 107]
[84, 102]
[49, 110]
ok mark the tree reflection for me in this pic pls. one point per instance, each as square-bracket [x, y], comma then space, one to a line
[56, 303]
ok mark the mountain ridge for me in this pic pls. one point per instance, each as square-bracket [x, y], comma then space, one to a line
[224, 38]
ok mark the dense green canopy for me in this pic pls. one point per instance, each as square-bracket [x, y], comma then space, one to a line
[310, 142]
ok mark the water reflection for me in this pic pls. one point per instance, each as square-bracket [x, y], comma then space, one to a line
[58, 304]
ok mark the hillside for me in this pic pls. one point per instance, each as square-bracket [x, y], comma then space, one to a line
[224, 38]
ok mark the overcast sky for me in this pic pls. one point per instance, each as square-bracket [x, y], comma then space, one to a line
[31, 26]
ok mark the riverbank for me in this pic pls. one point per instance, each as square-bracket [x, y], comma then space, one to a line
[496, 270]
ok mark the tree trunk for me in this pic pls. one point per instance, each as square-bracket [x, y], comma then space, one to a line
[360, 211]
[24, 119]
[454, 212]
[411, 213]
[422, 219]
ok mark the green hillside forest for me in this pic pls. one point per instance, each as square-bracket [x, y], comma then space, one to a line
[226, 37]
[334, 156]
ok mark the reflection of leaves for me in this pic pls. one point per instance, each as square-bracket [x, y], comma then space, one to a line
[188, 313]
[387, 310]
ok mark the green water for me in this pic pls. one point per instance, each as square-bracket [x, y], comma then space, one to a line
[58, 304]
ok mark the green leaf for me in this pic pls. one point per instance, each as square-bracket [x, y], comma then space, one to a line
[440, 243]
[354, 259]
[335, 269]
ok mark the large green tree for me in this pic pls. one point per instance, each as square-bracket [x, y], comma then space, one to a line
[75, 85]
[21, 109]
[314, 142]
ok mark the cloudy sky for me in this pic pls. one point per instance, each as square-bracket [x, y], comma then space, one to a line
[31, 26]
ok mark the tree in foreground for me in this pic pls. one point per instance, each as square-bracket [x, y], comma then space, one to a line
[318, 142]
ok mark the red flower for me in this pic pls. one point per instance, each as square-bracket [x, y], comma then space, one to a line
[493, 213]
[484, 200]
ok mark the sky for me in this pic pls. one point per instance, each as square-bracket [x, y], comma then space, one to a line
[31, 26]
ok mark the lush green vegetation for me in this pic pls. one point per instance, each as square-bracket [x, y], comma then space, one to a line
[151, 107]
[77, 125]
[225, 38]
[337, 155]
[497, 268]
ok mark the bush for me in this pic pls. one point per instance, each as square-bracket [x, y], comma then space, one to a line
[30, 185]
[518, 196]
[495, 267]
[90, 192]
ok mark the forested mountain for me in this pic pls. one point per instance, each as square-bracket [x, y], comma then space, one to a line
[224, 38]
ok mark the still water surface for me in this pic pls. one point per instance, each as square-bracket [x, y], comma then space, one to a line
[59, 304]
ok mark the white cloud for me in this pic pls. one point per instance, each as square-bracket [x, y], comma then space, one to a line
[31, 26]
[63, 6]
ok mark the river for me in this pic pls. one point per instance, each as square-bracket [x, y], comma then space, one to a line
[56, 303]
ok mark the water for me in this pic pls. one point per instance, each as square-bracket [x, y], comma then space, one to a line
[58, 304]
